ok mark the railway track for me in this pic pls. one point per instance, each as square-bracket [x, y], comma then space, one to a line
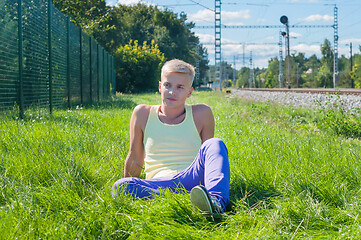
[342, 91]
[348, 99]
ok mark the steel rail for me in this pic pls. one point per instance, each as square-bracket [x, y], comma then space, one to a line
[342, 91]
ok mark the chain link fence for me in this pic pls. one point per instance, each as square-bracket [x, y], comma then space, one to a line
[46, 61]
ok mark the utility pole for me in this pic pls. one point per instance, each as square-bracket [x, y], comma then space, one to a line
[244, 53]
[250, 81]
[351, 68]
[298, 75]
[217, 43]
[198, 63]
[209, 77]
[284, 20]
[335, 45]
[234, 70]
[280, 61]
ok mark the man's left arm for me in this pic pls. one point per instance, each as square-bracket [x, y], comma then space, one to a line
[204, 121]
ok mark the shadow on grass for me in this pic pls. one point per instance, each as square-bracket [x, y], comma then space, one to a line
[113, 103]
[250, 195]
[40, 112]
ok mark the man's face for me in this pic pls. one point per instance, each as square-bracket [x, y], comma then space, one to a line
[175, 88]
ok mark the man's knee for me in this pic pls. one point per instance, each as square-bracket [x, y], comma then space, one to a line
[123, 184]
[214, 142]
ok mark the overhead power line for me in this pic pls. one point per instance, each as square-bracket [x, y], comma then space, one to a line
[202, 5]
[240, 43]
[268, 26]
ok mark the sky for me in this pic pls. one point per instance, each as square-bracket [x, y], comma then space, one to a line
[239, 45]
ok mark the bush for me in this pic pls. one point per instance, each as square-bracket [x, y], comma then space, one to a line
[335, 118]
[138, 67]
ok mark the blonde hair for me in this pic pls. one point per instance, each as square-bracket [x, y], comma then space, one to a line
[178, 66]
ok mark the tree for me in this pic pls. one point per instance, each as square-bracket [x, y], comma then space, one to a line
[344, 69]
[356, 72]
[272, 73]
[310, 72]
[138, 67]
[114, 27]
[324, 78]
[243, 78]
[298, 67]
[271, 81]
[90, 15]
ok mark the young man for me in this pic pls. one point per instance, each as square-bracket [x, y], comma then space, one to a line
[175, 145]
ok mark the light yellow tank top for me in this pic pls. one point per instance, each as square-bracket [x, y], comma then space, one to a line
[169, 149]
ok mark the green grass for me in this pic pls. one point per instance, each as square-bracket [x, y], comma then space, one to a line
[290, 178]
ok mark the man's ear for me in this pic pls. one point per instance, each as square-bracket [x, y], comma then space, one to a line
[190, 92]
[159, 86]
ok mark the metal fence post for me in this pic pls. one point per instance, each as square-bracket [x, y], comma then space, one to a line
[107, 73]
[104, 79]
[90, 70]
[98, 74]
[68, 60]
[81, 65]
[114, 76]
[50, 57]
[108, 62]
[20, 45]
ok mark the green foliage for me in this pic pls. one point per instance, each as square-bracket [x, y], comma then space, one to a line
[91, 15]
[138, 67]
[333, 117]
[271, 81]
[272, 73]
[356, 72]
[327, 54]
[356, 75]
[116, 26]
[324, 77]
[311, 67]
[243, 78]
[305, 72]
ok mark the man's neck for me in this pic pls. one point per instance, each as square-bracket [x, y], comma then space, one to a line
[170, 115]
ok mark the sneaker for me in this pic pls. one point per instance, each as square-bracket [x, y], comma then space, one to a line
[201, 198]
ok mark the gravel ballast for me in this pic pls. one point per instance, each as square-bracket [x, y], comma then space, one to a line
[307, 100]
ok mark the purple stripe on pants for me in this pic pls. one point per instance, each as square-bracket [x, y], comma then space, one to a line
[210, 169]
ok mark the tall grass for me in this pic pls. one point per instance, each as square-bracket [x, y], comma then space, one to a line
[289, 177]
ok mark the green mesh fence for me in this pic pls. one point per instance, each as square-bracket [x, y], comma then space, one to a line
[9, 62]
[47, 61]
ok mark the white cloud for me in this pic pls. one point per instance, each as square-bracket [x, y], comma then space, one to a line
[318, 17]
[208, 15]
[308, 50]
[235, 24]
[133, 2]
[354, 41]
[295, 35]
[111, 2]
[242, 14]
[261, 54]
[205, 38]
[128, 2]
[295, 1]
[202, 15]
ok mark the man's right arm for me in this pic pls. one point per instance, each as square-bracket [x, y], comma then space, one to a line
[135, 158]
